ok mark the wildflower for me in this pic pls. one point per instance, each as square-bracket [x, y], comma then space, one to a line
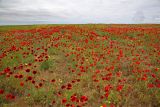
[29, 78]
[69, 86]
[86, 41]
[150, 85]
[60, 80]
[104, 105]
[53, 102]
[10, 97]
[158, 85]
[83, 99]
[119, 74]
[34, 72]
[119, 87]
[1, 91]
[27, 70]
[108, 87]
[40, 84]
[73, 98]
[21, 84]
[64, 100]
[20, 76]
[53, 80]
[33, 82]
[63, 87]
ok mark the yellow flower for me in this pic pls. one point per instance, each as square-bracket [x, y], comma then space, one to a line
[60, 80]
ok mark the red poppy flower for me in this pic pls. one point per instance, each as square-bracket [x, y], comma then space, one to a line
[119, 87]
[1, 91]
[106, 95]
[6, 70]
[63, 87]
[20, 76]
[83, 99]
[29, 78]
[64, 100]
[150, 85]
[158, 85]
[118, 74]
[73, 98]
[69, 86]
[34, 72]
[21, 84]
[10, 97]
[16, 76]
[108, 87]
[153, 75]
[28, 95]
[33, 82]
[53, 80]
[27, 70]
[86, 41]
[104, 105]
[53, 102]
[40, 84]
[67, 105]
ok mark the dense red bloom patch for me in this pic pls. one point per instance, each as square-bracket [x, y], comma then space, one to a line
[83, 98]
[10, 97]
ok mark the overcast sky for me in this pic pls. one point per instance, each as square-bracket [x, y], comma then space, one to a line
[79, 11]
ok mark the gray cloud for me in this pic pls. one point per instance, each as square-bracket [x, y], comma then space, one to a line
[79, 11]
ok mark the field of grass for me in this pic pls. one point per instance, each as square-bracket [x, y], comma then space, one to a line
[80, 66]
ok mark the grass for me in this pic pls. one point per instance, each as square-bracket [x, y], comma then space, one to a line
[81, 65]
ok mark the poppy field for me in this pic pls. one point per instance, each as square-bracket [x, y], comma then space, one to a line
[80, 66]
